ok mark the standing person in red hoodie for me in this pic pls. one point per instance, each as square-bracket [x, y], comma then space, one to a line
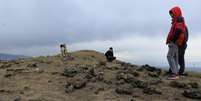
[175, 41]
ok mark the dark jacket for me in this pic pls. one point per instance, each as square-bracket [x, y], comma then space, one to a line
[109, 54]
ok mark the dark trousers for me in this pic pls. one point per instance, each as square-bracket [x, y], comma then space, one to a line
[110, 59]
[181, 59]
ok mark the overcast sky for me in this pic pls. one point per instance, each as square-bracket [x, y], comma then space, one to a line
[137, 29]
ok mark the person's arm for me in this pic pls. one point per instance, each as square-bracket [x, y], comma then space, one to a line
[106, 54]
[176, 35]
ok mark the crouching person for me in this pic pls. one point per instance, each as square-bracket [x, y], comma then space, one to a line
[110, 55]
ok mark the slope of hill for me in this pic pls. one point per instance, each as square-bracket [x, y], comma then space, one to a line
[87, 77]
[10, 57]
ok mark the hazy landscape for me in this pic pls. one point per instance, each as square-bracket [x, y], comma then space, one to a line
[86, 76]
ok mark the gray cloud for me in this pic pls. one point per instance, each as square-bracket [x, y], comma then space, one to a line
[32, 23]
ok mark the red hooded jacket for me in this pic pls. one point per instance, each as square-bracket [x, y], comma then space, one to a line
[176, 11]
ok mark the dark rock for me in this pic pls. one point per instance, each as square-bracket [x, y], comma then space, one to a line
[102, 63]
[155, 82]
[55, 73]
[132, 99]
[109, 82]
[136, 74]
[92, 72]
[151, 69]
[93, 79]
[93, 76]
[17, 99]
[177, 84]
[193, 94]
[32, 65]
[7, 75]
[70, 72]
[27, 88]
[141, 84]
[126, 65]
[98, 90]
[88, 76]
[21, 92]
[80, 83]
[5, 65]
[120, 76]
[99, 76]
[120, 82]
[140, 69]
[76, 83]
[49, 81]
[153, 74]
[38, 99]
[16, 69]
[124, 89]
[151, 90]
[194, 84]
[69, 88]
[131, 70]
[177, 99]
[129, 78]
[5, 91]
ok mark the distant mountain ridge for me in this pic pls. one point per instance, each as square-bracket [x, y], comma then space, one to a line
[11, 56]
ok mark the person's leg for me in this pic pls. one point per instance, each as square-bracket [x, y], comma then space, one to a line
[172, 58]
[181, 60]
[176, 58]
[113, 58]
[108, 59]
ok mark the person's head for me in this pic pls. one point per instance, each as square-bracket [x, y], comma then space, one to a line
[175, 12]
[110, 48]
[61, 45]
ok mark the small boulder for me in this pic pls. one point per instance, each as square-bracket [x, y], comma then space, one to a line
[99, 76]
[153, 74]
[124, 89]
[140, 84]
[177, 84]
[102, 63]
[194, 84]
[32, 65]
[155, 82]
[98, 90]
[129, 78]
[17, 99]
[120, 76]
[92, 72]
[7, 75]
[136, 74]
[109, 82]
[193, 94]
[80, 83]
[69, 88]
[70, 72]
[151, 90]
[5, 65]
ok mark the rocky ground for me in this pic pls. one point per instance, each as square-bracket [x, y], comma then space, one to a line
[87, 77]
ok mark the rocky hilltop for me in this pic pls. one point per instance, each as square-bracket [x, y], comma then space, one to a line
[86, 76]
